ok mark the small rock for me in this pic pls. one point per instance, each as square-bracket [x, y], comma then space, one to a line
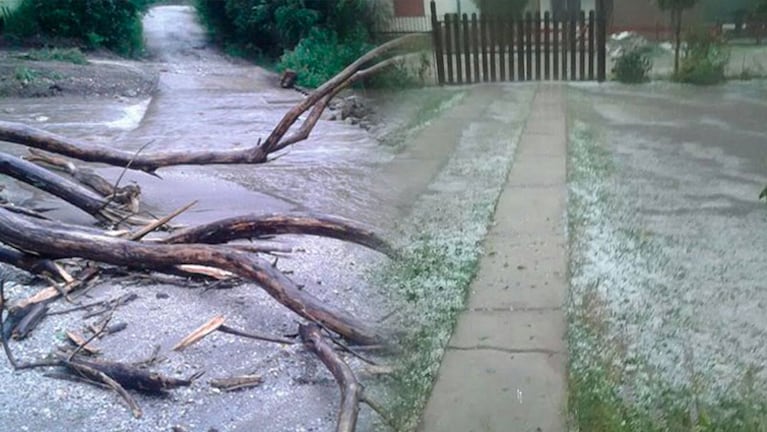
[162, 295]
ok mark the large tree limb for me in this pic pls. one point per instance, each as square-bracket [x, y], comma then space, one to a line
[62, 240]
[61, 187]
[251, 226]
[151, 161]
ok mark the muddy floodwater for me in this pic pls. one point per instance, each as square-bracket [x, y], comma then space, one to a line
[205, 100]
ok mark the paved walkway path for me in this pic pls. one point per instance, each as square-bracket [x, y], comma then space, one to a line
[504, 369]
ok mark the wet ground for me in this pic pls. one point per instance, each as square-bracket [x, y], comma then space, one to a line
[669, 241]
[205, 100]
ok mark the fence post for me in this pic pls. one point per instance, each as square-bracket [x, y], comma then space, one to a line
[582, 45]
[483, 42]
[500, 40]
[458, 51]
[537, 24]
[546, 45]
[509, 36]
[565, 45]
[555, 45]
[520, 23]
[475, 43]
[601, 41]
[491, 42]
[592, 22]
[449, 49]
[437, 41]
[529, 45]
[466, 49]
[573, 44]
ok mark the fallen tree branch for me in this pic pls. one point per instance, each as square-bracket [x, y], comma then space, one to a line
[71, 192]
[63, 240]
[253, 226]
[150, 162]
[351, 389]
[126, 196]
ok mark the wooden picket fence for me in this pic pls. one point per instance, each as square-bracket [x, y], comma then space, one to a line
[534, 47]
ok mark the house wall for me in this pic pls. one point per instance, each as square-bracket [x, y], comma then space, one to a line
[452, 6]
[545, 5]
[644, 17]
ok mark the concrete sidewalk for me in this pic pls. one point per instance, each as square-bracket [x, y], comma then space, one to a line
[504, 369]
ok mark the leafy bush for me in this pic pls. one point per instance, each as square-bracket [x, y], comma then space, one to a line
[321, 55]
[706, 57]
[112, 24]
[632, 66]
[267, 28]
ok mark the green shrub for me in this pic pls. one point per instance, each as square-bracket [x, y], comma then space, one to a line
[632, 66]
[267, 28]
[321, 55]
[112, 24]
[706, 57]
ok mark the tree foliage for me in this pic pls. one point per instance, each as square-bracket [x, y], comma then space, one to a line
[676, 7]
[269, 27]
[113, 24]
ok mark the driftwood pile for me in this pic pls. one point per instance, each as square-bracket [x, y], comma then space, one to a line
[32, 242]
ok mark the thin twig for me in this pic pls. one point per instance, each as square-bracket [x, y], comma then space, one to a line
[249, 335]
[125, 169]
[378, 409]
[349, 350]
[95, 335]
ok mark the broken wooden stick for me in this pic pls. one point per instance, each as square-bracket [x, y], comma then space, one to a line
[81, 343]
[91, 373]
[200, 332]
[138, 235]
[128, 377]
[237, 382]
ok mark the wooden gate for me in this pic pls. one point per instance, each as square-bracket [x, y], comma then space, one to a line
[567, 47]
